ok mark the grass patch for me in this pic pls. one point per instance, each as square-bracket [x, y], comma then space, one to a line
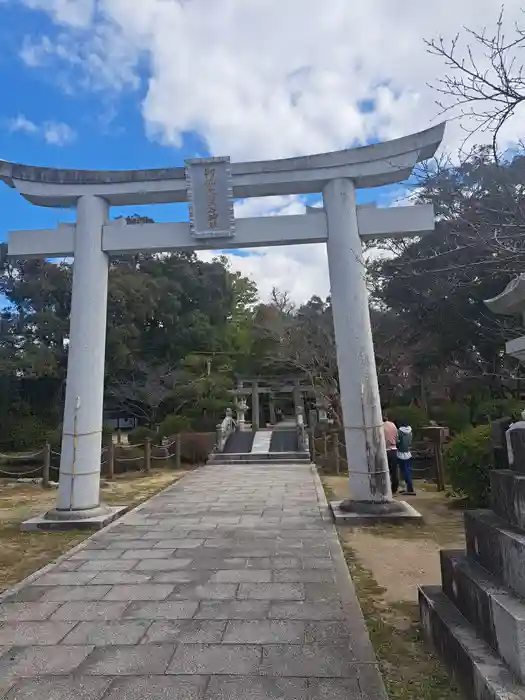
[410, 671]
[22, 553]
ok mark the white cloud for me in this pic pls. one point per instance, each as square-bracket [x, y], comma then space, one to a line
[53, 133]
[21, 123]
[58, 133]
[261, 79]
[254, 81]
[301, 270]
[75, 13]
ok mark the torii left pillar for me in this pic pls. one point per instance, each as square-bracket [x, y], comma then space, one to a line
[78, 500]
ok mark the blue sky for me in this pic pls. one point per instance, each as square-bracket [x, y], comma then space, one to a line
[118, 84]
[107, 131]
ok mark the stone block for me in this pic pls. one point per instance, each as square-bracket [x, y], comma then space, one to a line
[27, 594]
[242, 576]
[21, 634]
[186, 631]
[101, 634]
[306, 611]
[178, 544]
[271, 591]
[22, 612]
[80, 612]
[498, 547]
[106, 566]
[323, 563]
[70, 578]
[164, 610]
[327, 633]
[308, 660]
[144, 659]
[162, 564]
[66, 594]
[57, 688]
[508, 496]
[144, 591]
[303, 576]
[112, 578]
[119, 544]
[233, 610]
[481, 674]
[186, 576]
[209, 591]
[212, 659]
[227, 688]
[41, 523]
[142, 554]
[497, 615]
[34, 661]
[264, 632]
[158, 688]
[405, 513]
[322, 592]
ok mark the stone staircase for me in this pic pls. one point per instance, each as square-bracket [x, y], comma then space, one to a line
[277, 445]
[476, 619]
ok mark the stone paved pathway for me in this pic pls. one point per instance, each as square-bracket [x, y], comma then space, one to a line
[230, 585]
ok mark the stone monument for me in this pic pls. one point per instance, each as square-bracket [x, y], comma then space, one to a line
[476, 620]
[210, 186]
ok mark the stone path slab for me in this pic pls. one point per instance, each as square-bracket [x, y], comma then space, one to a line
[229, 585]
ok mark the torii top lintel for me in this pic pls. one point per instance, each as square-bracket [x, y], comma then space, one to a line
[368, 166]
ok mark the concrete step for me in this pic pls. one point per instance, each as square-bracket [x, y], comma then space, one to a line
[223, 457]
[497, 615]
[261, 462]
[249, 459]
[497, 547]
[508, 496]
[476, 668]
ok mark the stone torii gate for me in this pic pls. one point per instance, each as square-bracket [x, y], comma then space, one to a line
[210, 186]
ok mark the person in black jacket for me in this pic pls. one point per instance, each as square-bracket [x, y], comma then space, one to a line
[404, 457]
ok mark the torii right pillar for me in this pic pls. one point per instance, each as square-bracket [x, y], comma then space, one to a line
[370, 489]
[361, 406]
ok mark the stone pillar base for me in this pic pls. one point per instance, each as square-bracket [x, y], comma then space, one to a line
[60, 520]
[368, 513]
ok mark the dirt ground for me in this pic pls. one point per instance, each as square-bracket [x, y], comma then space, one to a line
[18, 502]
[387, 564]
[401, 558]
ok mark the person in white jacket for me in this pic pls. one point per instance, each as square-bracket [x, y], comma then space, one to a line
[404, 457]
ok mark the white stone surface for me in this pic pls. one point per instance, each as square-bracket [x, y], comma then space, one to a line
[516, 348]
[80, 458]
[365, 442]
[261, 442]
[370, 166]
[41, 523]
[511, 301]
[118, 237]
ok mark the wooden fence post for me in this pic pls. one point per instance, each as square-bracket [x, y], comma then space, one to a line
[311, 435]
[440, 470]
[111, 460]
[178, 451]
[147, 455]
[46, 468]
[336, 451]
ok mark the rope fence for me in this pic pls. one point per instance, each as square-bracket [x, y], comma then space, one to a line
[111, 456]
